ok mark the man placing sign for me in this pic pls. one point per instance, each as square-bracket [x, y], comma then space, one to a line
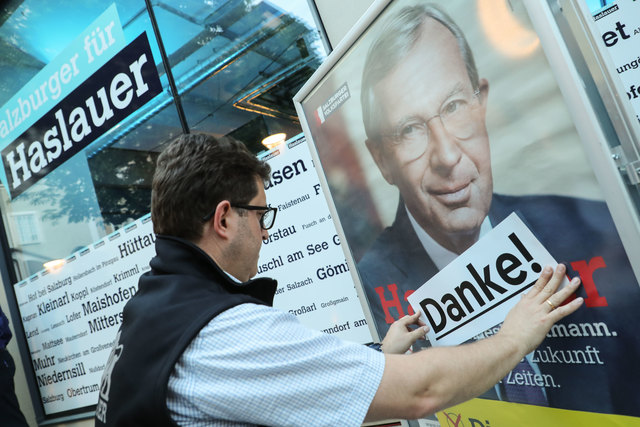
[201, 343]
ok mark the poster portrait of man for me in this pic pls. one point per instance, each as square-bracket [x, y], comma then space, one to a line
[438, 122]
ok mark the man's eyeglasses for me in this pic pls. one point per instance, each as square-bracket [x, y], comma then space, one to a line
[411, 137]
[267, 219]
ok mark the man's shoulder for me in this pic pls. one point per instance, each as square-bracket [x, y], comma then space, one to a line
[554, 201]
[560, 210]
[388, 238]
[396, 256]
[388, 243]
[568, 226]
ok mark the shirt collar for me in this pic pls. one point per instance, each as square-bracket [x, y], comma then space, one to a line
[232, 277]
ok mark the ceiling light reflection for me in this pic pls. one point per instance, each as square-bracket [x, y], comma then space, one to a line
[504, 31]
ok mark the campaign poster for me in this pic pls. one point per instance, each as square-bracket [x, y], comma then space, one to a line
[619, 26]
[45, 122]
[433, 123]
[71, 314]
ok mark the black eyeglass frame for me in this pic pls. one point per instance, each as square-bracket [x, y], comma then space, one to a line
[266, 210]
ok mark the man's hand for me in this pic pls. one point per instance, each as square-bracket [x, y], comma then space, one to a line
[531, 319]
[401, 336]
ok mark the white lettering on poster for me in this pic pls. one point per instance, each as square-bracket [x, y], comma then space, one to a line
[72, 314]
[79, 60]
[619, 26]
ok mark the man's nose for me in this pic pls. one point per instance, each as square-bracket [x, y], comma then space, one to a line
[444, 151]
[265, 234]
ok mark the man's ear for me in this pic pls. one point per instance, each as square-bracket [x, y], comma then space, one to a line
[376, 150]
[483, 87]
[222, 222]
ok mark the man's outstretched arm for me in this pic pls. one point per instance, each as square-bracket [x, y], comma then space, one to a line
[420, 384]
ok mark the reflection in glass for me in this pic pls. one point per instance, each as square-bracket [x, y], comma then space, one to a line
[237, 65]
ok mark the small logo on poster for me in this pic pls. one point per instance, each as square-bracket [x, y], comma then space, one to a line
[453, 419]
[319, 115]
[332, 104]
[605, 12]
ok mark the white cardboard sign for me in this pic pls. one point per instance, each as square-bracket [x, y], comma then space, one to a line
[476, 290]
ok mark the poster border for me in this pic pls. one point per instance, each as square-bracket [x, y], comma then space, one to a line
[342, 49]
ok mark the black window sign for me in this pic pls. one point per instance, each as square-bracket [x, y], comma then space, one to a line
[121, 86]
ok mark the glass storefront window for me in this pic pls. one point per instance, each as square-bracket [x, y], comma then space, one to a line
[232, 68]
[236, 66]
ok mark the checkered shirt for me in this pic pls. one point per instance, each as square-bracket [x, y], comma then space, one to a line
[255, 365]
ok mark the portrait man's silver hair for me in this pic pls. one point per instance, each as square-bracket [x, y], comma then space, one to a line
[396, 38]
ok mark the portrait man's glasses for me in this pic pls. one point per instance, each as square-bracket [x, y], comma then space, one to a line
[267, 219]
[411, 137]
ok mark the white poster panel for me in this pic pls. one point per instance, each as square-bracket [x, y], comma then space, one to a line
[303, 250]
[476, 290]
[71, 315]
[619, 25]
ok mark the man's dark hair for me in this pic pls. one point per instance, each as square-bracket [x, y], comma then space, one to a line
[195, 173]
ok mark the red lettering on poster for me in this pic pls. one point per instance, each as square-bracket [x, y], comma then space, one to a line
[394, 302]
[585, 271]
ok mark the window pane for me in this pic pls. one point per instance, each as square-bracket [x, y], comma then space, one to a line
[237, 65]
[106, 185]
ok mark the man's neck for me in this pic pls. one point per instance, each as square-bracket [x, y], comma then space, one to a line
[216, 252]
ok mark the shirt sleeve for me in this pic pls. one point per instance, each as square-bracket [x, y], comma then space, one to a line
[253, 364]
